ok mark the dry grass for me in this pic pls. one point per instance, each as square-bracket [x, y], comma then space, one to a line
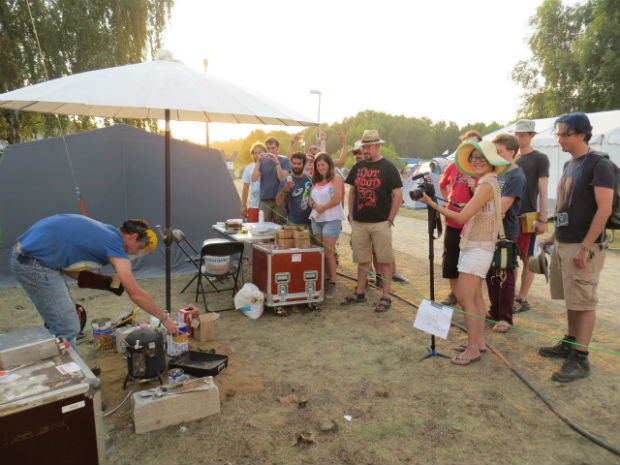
[352, 361]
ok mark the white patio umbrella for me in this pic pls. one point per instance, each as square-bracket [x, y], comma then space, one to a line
[162, 89]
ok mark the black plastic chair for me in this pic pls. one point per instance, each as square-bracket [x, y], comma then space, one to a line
[219, 248]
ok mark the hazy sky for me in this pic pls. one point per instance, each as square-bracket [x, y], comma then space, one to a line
[445, 59]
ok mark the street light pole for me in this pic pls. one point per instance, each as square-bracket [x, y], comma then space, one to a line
[318, 118]
[205, 62]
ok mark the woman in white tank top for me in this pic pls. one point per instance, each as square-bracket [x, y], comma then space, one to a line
[327, 214]
[477, 159]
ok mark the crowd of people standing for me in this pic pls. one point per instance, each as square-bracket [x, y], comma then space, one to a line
[491, 186]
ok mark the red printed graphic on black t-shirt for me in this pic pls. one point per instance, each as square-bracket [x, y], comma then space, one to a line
[367, 184]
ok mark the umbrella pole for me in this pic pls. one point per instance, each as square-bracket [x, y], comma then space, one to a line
[168, 236]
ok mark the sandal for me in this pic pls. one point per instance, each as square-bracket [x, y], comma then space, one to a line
[354, 298]
[384, 305]
[463, 348]
[501, 327]
[520, 306]
[460, 360]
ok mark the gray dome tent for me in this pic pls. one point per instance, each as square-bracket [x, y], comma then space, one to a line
[120, 172]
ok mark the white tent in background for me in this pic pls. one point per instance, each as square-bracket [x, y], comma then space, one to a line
[605, 137]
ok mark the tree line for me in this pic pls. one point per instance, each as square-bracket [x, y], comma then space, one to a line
[575, 67]
[405, 137]
[75, 36]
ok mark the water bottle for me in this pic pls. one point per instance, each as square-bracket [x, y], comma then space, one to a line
[261, 216]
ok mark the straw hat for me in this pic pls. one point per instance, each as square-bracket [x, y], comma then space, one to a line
[371, 136]
[356, 146]
[486, 148]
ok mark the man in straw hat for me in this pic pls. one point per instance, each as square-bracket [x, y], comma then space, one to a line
[69, 245]
[584, 203]
[535, 165]
[375, 196]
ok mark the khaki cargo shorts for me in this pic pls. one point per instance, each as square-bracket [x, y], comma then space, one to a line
[574, 285]
[369, 237]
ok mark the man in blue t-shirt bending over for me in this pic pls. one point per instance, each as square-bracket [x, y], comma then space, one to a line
[75, 246]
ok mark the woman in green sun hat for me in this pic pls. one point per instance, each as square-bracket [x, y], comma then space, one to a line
[479, 160]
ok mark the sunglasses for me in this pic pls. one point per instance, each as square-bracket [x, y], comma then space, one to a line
[478, 158]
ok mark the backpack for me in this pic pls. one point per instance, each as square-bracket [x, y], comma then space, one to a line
[614, 219]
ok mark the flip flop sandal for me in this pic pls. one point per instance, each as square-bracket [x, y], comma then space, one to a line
[463, 348]
[384, 305]
[460, 360]
[501, 328]
[354, 298]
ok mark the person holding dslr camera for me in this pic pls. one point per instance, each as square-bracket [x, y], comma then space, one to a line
[480, 160]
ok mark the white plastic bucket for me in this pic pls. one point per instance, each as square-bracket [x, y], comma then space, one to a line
[216, 265]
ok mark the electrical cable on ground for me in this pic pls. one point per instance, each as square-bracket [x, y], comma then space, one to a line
[522, 377]
[131, 391]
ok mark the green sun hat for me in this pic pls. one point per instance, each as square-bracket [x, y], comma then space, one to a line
[486, 148]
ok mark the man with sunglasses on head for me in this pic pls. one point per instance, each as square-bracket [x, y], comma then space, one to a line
[75, 246]
[584, 204]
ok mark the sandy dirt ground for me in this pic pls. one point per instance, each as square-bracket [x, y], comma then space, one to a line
[346, 385]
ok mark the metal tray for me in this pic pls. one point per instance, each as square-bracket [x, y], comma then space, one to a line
[200, 363]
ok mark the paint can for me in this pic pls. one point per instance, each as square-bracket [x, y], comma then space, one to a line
[102, 334]
[178, 344]
[176, 375]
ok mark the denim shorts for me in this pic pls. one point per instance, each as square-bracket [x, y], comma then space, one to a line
[327, 228]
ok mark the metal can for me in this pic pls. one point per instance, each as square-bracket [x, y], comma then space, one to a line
[175, 375]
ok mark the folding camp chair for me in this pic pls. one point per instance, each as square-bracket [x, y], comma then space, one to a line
[218, 250]
[193, 256]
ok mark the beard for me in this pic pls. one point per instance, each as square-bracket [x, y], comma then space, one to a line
[297, 171]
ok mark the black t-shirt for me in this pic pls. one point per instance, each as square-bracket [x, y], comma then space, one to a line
[512, 184]
[578, 201]
[535, 165]
[374, 182]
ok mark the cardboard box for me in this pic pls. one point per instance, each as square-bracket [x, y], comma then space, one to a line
[192, 401]
[186, 315]
[204, 326]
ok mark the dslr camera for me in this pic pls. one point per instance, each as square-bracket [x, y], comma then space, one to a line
[424, 186]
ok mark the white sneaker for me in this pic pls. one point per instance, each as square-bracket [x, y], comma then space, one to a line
[399, 278]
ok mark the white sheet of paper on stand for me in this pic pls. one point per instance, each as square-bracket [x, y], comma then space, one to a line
[433, 318]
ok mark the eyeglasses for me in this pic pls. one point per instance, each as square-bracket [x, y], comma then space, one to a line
[477, 158]
[564, 135]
